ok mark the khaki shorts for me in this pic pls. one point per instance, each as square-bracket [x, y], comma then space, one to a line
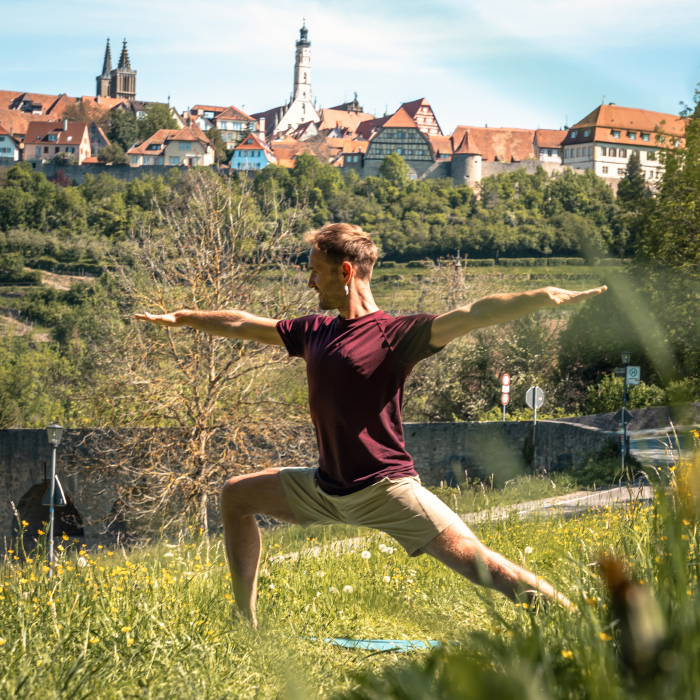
[402, 508]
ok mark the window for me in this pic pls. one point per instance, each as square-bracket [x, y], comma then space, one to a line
[355, 159]
[69, 138]
[57, 149]
[612, 152]
[146, 160]
[188, 146]
[586, 133]
[398, 150]
[134, 160]
[677, 142]
[182, 146]
[38, 152]
[420, 153]
[2, 138]
[590, 150]
[409, 152]
[46, 149]
[615, 134]
[237, 126]
[605, 170]
[154, 147]
[249, 141]
[603, 151]
[70, 149]
[574, 134]
[645, 137]
[662, 139]
[174, 160]
[620, 171]
[52, 137]
[622, 153]
[399, 135]
[578, 152]
[160, 160]
[632, 135]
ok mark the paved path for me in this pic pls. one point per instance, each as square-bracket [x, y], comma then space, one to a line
[566, 505]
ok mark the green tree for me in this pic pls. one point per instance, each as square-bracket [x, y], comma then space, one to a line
[632, 188]
[157, 117]
[124, 129]
[394, 169]
[112, 155]
[670, 233]
[221, 152]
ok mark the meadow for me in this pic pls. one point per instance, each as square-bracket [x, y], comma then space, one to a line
[158, 620]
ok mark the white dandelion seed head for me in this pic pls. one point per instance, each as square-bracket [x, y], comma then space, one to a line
[272, 586]
[318, 594]
[390, 550]
[366, 554]
[528, 550]
[382, 547]
[387, 579]
[320, 574]
[347, 589]
[82, 561]
[168, 554]
[332, 589]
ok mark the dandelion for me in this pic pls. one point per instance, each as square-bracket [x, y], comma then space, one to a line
[318, 594]
[167, 554]
[320, 574]
[99, 546]
[41, 532]
[60, 548]
[390, 550]
[272, 586]
[382, 547]
[528, 550]
[347, 589]
[25, 523]
[366, 554]
[126, 629]
[332, 589]
[82, 561]
[2, 641]
[110, 554]
[65, 537]
[129, 640]
[387, 579]
[605, 637]
[567, 654]
[94, 640]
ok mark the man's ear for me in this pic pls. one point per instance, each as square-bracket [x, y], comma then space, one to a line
[347, 271]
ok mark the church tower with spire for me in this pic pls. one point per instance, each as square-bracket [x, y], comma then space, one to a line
[119, 82]
[103, 78]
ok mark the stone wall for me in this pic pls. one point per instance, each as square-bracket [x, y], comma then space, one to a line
[441, 452]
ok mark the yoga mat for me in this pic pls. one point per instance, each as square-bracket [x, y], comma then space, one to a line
[399, 645]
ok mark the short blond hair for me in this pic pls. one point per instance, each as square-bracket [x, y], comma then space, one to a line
[341, 242]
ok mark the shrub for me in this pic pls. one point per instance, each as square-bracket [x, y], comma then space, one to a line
[420, 263]
[484, 262]
[553, 262]
[684, 391]
[606, 396]
[516, 262]
[575, 261]
[387, 263]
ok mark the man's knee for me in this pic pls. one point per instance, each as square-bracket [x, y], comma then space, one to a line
[233, 497]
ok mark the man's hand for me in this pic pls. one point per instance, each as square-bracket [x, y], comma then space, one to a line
[558, 296]
[171, 320]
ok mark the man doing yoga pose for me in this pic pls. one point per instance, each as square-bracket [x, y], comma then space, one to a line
[357, 363]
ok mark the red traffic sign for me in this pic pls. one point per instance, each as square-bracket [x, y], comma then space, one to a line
[505, 398]
[506, 380]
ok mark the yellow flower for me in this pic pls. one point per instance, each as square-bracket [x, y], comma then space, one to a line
[99, 546]
[126, 629]
[45, 569]
[81, 553]
[25, 523]
[11, 551]
[23, 580]
[567, 654]
[2, 641]
[129, 640]
[686, 523]
[110, 554]
[605, 637]
[41, 532]
[94, 640]
[60, 548]
[38, 662]
[65, 537]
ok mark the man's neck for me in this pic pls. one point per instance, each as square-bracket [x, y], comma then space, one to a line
[359, 302]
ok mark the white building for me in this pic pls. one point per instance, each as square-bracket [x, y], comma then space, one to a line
[301, 107]
[9, 150]
[605, 139]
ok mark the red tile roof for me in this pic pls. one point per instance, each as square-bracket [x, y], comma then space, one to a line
[332, 118]
[400, 118]
[605, 119]
[504, 145]
[17, 122]
[38, 132]
[163, 136]
[49, 103]
[441, 145]
[255, 144]
[550, 138]
[368, 128]
[209, 108]
[235, 114]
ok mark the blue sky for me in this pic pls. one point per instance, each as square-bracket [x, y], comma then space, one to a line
[520, 63]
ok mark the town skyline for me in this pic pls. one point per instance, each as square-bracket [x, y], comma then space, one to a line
[502, 80]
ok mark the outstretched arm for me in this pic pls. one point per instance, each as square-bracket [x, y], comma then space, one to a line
[228, 324]
[500, 308]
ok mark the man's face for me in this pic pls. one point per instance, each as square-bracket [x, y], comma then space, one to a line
[327, 280]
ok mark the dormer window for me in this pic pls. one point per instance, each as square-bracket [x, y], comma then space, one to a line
[645, 137]
[249, 141]
[677, 142]
[632, 135]
[586, 133]
[574, 134]
[615, 134]
[53, 137]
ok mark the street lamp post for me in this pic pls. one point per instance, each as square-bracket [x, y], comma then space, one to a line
[55, 433]
[626, 357]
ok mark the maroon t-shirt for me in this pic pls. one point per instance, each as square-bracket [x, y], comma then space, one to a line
[356, 371]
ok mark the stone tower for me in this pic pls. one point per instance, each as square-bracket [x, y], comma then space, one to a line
[103, 78]
[123, 78]
[302, 68]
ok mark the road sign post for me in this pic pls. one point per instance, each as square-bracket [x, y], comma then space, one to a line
[632, 376]
[505, 393]
[534, 398]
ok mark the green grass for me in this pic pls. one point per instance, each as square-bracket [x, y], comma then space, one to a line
[156, 622]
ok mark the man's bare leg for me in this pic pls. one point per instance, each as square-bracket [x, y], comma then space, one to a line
[242, 498]
[459, 548]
